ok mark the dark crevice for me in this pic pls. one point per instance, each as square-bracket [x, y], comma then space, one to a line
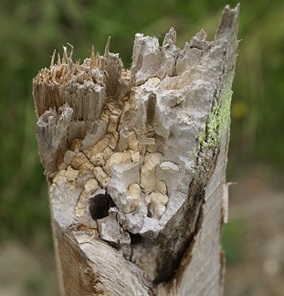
[183, 232]
[99, 205]
[135, 238]
[177, 240]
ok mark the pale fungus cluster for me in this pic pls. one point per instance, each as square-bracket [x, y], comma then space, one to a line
[137, 163]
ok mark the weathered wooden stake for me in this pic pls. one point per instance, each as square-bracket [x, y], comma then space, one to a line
[135, 162]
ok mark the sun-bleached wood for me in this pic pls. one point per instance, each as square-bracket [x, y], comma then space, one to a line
[135, 161]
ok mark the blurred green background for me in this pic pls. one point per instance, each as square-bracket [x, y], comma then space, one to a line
[29, 32]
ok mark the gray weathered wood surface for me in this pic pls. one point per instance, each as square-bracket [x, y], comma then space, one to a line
[135, 161]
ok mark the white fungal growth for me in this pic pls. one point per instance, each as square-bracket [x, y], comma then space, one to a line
[107, 153]
[59, 176]
[159, 198]
[151, 148]
[71, 174]
[85, 167]
[98, 159]
[132, 141]
[119, 157]
[106, 168]
[135, 156]
[90, 187]
[98, 148]
[169, 166]
[148, 171]
[104, 182]
[157, 205]
[113, 140]
[113, 122]
[99, 173]
[157, 210]
[133, 198]
[161, 186]
[78, 159]
[101, 176]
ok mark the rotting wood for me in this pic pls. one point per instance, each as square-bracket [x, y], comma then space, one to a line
[135, 162]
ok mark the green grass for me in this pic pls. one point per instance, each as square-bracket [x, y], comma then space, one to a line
[232, 241]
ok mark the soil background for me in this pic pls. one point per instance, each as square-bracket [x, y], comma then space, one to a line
[256, 212]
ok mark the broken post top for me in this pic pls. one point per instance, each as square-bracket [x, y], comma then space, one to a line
[133, 148]
[104, 76]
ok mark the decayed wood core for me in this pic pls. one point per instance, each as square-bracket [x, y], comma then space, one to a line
[130, 156]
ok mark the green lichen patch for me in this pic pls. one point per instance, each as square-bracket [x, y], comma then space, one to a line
[218, 119]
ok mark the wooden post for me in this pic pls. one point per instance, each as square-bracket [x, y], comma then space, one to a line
[135, 162]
